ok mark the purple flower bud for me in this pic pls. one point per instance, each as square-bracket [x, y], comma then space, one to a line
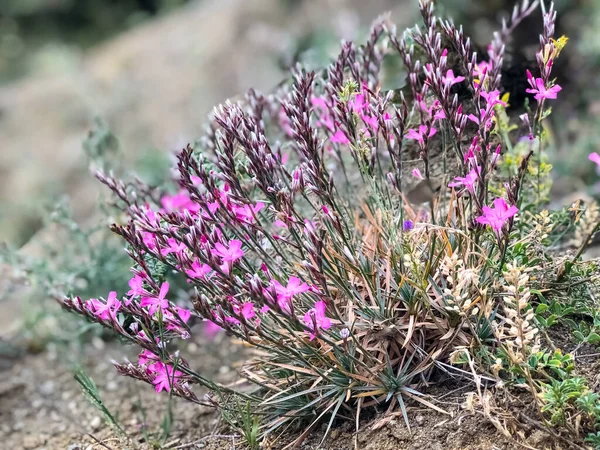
[408, 225]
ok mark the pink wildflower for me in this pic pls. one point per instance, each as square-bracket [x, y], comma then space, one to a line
[419, 135]
[106, 310]
[159, 302]
[285, 293]
[279, 223]
[450, 79]
[496, 217]
[179, 203]
[468, 181]
[339, 137]
[146, 356]
[538, 87]
[231, 253]
[165, 376]
[315, 319]
[417, 174]
[136, 284]
[198, 270]
[173, 247]
[492, 98]
[247, 213]
[595, 157]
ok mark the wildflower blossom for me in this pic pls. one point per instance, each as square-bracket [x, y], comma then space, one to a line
[450, 80]
[315, 319]
[285, 293]
[595, 157]
[492, 98]
[164, 377]
[339, 137]
[247, 213]
[158, 302]
[408, 225]
[198, 270]
[417, 174]
[136, 284]
[230, 253]
[467, 181]
[173, 246]
[538, 87]
[497, 216]
[420, 134]
[106, 310]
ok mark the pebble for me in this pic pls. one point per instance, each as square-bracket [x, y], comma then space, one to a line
[96, 423]
[420, 420]
[74, 447]
[31, 442]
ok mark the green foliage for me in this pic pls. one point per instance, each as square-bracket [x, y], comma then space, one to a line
[91, 393]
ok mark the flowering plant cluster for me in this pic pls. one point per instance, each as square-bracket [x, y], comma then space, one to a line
[297, 228]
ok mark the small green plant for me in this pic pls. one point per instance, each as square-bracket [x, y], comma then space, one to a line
[90, 391]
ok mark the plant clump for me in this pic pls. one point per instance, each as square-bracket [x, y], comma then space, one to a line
[311, 225]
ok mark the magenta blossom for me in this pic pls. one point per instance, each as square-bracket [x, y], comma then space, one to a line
[285, 293]
[492, 98]
[417, 174]
[230, 253]
[497, 216]
[420, 135]
[146, 356]
[450, 80]
[173, 247]
[164, 377]
[106, 310]
[136, 284]
[198, 270]
[595, 157]
[339, 137]
[315, 319]
[538, 87]
[159, 302]
[467, 181]
[247, 213]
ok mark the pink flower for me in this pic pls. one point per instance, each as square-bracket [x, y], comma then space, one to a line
[538, 88]
[136, 284]
[164, 377]
[340, 138]
[370, 120]
[247, 213]
[184, 314]
[492, 98]
[173, 247]
[285, 293]
[280, 223]
[265, 309]
[417, 174]
[179, 203]
[160, 301]
[450, 79]
[211, 328]
[146, 356]
[198, 270]
[496, 217]
[149, 240]
[106, 310]
[247, 310]
[595, 157]
[484, 117]
[315, 319]
[419, 135]
[231, 253]
[468, 181]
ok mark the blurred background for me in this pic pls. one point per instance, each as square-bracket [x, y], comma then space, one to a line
[151, 70]
[134, 80]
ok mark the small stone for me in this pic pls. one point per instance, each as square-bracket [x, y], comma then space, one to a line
[31, 442]
[74, 447]
[420, 420]
[200, 445]
[96, 423]
[47, 388]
